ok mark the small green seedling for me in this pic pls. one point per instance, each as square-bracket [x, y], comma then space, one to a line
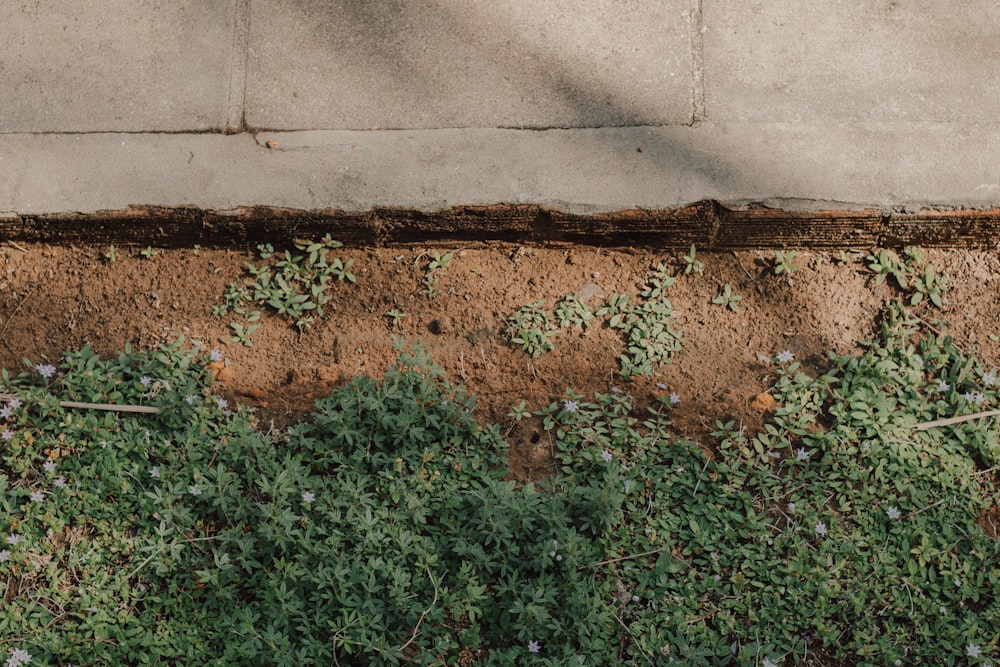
[149, 253]
[783, 262]
[439, 261]
[728, 299]
[437, 264]
[692, 264]
[396, 317]
[111, 254]
[241, 334]
[519, 412]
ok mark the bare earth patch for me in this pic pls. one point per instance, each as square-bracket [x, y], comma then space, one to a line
[57, 298]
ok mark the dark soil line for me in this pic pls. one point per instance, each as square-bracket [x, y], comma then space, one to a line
[707, 224]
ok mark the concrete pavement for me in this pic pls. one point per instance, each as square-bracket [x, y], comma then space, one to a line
[583, 106]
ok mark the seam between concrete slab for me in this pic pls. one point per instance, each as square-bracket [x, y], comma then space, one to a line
[239, 56]
[697, 27]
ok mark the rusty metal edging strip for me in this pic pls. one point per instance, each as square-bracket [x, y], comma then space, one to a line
[707, 224]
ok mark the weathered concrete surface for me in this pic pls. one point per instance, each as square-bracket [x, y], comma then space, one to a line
[357, 64]
[842, 60]
[115, 65]
[569, 107]
[794, 166]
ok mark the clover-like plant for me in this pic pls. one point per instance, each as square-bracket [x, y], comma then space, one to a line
[531, 328]
[295, 286]
[728, 298]
[692, 264]
[783, 262]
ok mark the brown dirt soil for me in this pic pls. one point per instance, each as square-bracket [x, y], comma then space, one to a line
[55, 298]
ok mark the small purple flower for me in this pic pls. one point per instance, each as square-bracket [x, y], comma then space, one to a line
[802, 455]
[154, 472]
[49, 466]
[46, 370]
[16, 403]
[616, 390]
[635, 598]
[943, 386]
[18, 657]
[974, 397]
[222, 403]
[37, 496]
[570, 406]
[606, 455]
[893, 512]
[194, 490]
[820, 529]
[973, 651]
[215, 355]
[4, 556]
[990, 378]
[675, 398]
[145, 380]
[534, 646]
[308, 497]
[6, 434]
[6, 412]
[59, 482]
[784, 356]
[13, 538]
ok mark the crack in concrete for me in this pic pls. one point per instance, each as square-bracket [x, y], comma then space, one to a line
[697, 32]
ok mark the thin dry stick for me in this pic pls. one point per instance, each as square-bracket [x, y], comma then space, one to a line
[618, 560]
[956, 420]
[101, 406]
[420, 620]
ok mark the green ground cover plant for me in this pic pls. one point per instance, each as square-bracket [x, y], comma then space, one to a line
[382, 530]
[294, 286]
[647, 326]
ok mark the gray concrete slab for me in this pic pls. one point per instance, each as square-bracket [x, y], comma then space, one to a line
[798, 166]
[357, 64]
[843, 60]
[116, 65]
